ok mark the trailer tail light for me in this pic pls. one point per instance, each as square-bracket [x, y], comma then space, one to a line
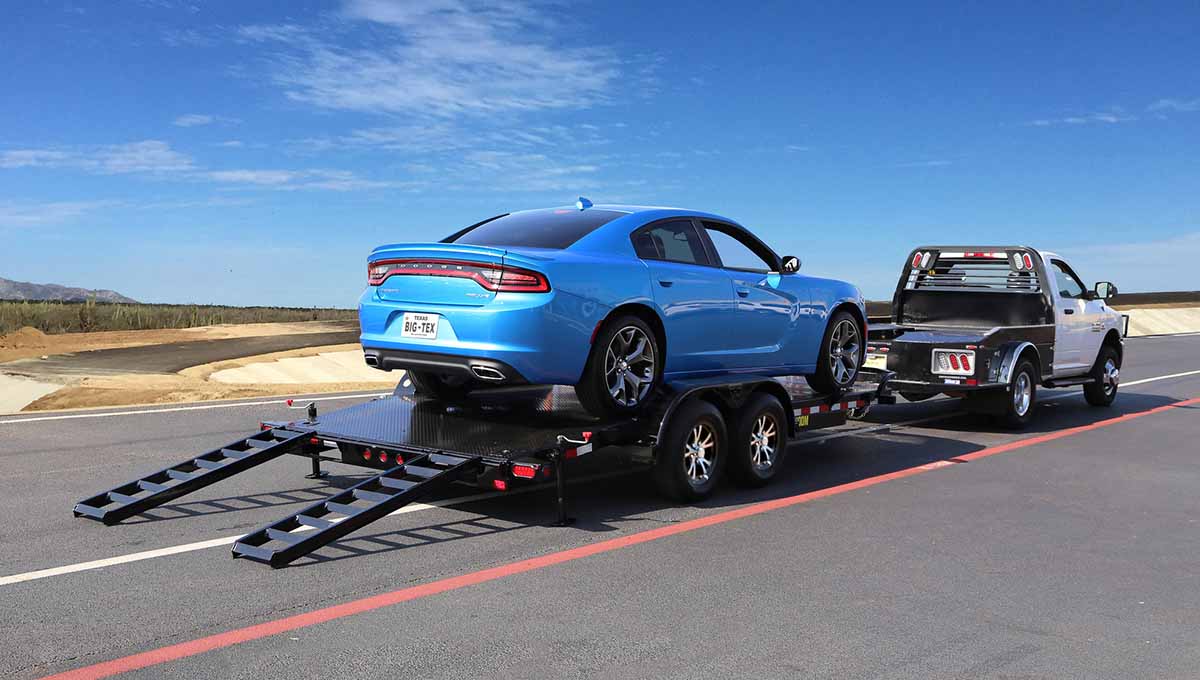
[953, 362]
[499, 278]
[523, 471]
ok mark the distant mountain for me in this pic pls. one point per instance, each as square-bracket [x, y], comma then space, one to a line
[20, 290]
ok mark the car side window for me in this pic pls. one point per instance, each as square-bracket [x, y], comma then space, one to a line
[1068, 284]
[674, 241]
[734, 254]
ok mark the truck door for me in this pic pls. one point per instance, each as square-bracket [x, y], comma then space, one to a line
[1073, 327]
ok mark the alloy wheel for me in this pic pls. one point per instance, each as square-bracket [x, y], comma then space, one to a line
[629, 366]
[700, 454]
[764, 438]
[844, 346]
[1022, 394]
[1112, 377]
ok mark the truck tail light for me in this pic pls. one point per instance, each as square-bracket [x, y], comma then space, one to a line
[954, 361]
[523, 471]
[965, 361]
[499, 278]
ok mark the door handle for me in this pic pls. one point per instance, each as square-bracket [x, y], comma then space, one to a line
[742, 292]
[666, 283]
[1068, 311]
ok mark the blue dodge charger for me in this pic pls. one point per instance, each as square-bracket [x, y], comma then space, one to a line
[613, 299]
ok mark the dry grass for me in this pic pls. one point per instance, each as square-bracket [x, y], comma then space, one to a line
[84, 317]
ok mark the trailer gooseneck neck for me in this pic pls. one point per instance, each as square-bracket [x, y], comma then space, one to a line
[497, 439]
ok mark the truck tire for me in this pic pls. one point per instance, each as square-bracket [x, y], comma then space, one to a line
[1022, 396]
[444, 387]
[691, 455]
[614, 353]
[759, 443]
[1107, 372]
[840, 356]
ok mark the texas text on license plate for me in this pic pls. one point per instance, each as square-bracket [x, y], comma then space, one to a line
[418, 325]
[876, 361]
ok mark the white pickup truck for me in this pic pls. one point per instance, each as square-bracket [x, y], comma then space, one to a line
[992, 323]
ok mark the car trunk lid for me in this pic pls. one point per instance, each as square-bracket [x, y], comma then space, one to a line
[447, 274]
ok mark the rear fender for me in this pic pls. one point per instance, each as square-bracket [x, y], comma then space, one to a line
[1001, 371]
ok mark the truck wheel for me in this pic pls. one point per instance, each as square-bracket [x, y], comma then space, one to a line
[691, 455]
[1022, 396]
[1108, 376]
[623, 369]
[840, 356]
[445, 387]
[759, 442]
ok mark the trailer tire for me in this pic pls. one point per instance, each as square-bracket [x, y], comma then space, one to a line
[1107, 373]
[837, 370]
[696, 431]
[446, 388]
[1021, 399]
[759, 444]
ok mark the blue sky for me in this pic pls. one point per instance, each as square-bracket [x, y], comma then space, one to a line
[253, 153]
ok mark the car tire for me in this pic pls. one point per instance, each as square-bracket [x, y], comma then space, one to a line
[1107, 373]
[444, 387]
[690, 458]
[614, 351]
[759, 441]
[1021, 399]
[840, 356]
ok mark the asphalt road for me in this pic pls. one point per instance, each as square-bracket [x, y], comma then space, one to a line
[939, 549]
[171, 358]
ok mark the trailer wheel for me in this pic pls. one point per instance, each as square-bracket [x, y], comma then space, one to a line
[760, 438]
[1108, 376]
[1022, 396]
[691, 455]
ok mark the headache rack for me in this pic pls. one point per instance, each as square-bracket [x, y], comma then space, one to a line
[1005, 269]
[418, 445]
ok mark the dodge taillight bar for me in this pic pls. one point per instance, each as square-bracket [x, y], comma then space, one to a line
[500, 278]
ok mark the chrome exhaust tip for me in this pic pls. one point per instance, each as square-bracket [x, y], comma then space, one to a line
[487, 373]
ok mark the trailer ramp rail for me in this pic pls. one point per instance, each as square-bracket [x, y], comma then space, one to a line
[326, 521]
[170, 483]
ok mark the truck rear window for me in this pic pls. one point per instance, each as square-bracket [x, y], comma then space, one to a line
[556, 228]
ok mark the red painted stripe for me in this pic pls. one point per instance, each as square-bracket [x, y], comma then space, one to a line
[206, 644]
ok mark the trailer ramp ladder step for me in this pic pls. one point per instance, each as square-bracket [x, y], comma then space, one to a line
[322, 523]
[170, 483]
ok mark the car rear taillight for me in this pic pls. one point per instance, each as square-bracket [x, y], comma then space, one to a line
[499, 278]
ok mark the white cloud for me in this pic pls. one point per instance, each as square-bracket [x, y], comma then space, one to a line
[150, 156]
[13, 214]
[1178, 105]
[232, 144]
[438, 58]
[1103, 117]
[925, 164]
[1147, 266]
[263, 177]
[192, 120]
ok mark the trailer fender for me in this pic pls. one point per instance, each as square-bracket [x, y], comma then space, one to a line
[1001, 371]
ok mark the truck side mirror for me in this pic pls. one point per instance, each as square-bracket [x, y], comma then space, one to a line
[791, 264]
[1105, 290]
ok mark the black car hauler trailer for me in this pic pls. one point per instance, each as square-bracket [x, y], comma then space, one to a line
[693, 431]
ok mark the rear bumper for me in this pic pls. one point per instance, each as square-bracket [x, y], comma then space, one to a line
[924, 387]
[482, 368]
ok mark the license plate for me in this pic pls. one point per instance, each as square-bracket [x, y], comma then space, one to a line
[876, 361]
[423, 326]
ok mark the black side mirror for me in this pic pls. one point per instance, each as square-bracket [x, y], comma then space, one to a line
[1105, 290]
[791, 264]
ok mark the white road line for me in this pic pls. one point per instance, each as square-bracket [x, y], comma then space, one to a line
[202, 407]
[417, 507]
[229, 540]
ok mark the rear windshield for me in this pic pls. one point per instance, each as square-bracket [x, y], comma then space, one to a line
[550, 228]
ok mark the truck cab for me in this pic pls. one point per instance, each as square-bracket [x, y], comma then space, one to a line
[990, 324]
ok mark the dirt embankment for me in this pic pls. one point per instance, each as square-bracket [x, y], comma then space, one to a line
[28, 342]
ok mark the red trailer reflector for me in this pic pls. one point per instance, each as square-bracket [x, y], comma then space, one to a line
[972, 381]
[366, 454]
[314, 441]
[383, 456]
[500, 485]
[523, 471]
[289, 402]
